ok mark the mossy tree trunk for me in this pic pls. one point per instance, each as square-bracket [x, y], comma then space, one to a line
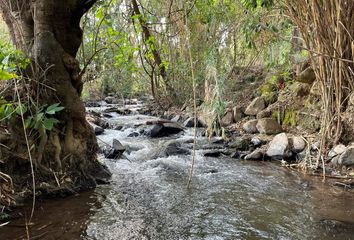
[49, 32]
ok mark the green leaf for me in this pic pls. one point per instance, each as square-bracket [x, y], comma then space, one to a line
[28, 122]
[48, 123]
[53, 109]
[21, 109]
[4, 75]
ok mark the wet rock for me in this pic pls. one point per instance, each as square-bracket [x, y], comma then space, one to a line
[336, 224]
[268, 126]
[235, 155]
[93, 104]
[116, 151]
[213, 153]
[120, 127]
[228, 119]
[163, 129]
[107, 115]
[240, 144]
[250, 126]
[211, 171]
[257, 142]
[347, 157]
[111, 100]
[257, 105]
[297, 144]
[133, 134]
[238, 114]
[190, 123]
[98, 130]
[171, 148]
[337, 150]
[279, 147]
[176, 118]
[257, 154]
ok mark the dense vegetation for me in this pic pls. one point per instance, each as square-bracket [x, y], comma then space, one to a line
[216, 54]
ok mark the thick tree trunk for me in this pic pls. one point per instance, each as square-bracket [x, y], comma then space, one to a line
[49, 31]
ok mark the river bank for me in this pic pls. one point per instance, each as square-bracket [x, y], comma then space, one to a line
[230, 198]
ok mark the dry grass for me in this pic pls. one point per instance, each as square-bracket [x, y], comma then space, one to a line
[327, 28]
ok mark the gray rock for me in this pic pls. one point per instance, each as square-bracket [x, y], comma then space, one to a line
[257, 105]
[190, 123]
[133, 134]
[256, 142]
[257, 154]
[176, 118]
[117, 146]
[347, 157]
[172, 148]
[240, 144]
[268, 126]
[163, 129]
[228, 119]
[110, 100]
[264, 114]
[298, 144]
[337, 150]
[93, 104]
[238, 114]
[98, 130]
[213, 153]
[116, 151]
[279, 147]
[250, 126]
[335, 161]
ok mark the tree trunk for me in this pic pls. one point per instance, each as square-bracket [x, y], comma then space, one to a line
[157, 57]
[49, 32]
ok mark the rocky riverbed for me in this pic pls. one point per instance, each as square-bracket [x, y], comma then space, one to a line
[234, 193]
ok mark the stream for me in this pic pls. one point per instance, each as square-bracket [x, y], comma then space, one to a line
[228, 198]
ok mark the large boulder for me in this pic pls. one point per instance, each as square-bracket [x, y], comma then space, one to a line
[258, 104]
[171, 148]
[250, 126]
[347, 157]
[279, 147]
[268, 126]
[164, 128]
[116, 151]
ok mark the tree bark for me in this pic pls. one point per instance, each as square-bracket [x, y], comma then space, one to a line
[49, 32]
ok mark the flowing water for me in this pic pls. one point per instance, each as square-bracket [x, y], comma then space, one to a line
[228, 198]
